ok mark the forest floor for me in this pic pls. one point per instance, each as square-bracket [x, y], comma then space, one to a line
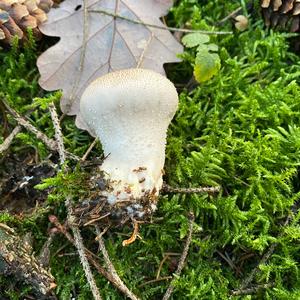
[238, 132]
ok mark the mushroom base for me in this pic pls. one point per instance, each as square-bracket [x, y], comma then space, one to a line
[98, 211]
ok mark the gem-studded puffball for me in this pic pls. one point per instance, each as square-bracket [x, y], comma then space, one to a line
[130, 111]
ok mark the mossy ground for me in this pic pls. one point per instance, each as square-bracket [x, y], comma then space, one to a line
[240, 130]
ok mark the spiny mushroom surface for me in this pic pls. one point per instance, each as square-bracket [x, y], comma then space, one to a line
[130, 111]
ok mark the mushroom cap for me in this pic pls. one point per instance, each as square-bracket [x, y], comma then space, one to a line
[134, 90]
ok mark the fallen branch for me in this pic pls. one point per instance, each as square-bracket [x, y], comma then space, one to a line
[182, 259]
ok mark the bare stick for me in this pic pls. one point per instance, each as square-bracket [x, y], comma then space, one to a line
[160, 266]
[231, 15]
[155, 280]
[7, 142]
[111, 267]
[210, 190]
[80, 248]
[84, 157]
[182, 259]
[58, 133]
[104, 12]
[250, 277]
[264, 259]
[252, 290]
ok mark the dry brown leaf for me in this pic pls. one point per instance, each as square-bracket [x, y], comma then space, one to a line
[111, 44]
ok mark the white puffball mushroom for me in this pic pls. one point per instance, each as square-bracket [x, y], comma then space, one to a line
[130, 111]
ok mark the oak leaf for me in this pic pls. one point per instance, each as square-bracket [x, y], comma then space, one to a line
[93, 44]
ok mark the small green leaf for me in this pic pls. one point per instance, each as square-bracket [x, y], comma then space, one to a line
[212, 47]
[194, 39]
[206, 66]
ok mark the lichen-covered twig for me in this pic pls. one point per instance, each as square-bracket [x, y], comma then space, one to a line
[58, 133]
[111, 267]
[51, 144]
[252, 290]
[182, 259]
[93, 259]
[80, 248]
[198, 190]
[76, 232]
[7, 142]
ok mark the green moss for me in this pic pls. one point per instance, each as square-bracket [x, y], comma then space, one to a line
[240, 130]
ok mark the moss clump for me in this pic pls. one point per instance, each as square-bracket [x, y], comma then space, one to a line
[240, 130]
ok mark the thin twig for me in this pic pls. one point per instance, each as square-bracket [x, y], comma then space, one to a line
[93, 259]
[51, 144]
[210, 190]
[182, 259]
[7, 142]
[99, 11]
[81, 251]
[252, 290]
[245, 283]
[84, 157]
[251, 275]
[231, 15]
[160, 266]
[156, 280]
[111, 267]
[76, 232]
[58, 133]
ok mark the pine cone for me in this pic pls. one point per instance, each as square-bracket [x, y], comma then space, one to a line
[284, 14]
[16, 16]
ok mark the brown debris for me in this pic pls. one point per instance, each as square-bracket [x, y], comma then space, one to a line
[16, 259]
